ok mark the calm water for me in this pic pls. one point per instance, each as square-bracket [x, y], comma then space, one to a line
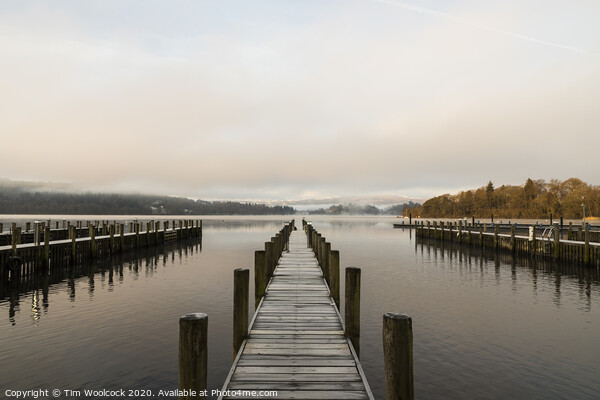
[484, 327]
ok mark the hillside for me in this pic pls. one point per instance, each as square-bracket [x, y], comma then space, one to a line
[534, 199]
[17, 198]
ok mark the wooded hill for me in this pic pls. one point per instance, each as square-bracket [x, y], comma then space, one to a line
[534, 199]
[14, 200]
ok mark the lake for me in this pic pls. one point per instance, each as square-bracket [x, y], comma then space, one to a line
[485, 326]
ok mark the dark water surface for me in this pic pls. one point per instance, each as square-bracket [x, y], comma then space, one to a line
[485, 326]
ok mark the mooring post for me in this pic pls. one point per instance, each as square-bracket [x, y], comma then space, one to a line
[14, 238]
[92, 234]
[334, 276]
[352, 308]
[470, 235]
[269, 259]
[193, 354]
[260, 276]
[111, 232]
[275, 255]
[325, 266]
[73, 244]
[241, 282]
[480, 236]
[586, 249]
[496, 238]
[47, 246]
[512, 238]
[570, 232]
[556, 232]
[533, 241]
[398, 356]
[441, 230]
[137, 234]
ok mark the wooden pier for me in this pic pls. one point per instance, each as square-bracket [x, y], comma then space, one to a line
[547, 243]
[47, 247]
[296, 344]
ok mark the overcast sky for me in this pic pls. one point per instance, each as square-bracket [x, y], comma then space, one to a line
[299, 99]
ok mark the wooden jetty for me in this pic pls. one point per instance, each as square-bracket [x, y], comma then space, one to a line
[296, 344]
[546, 243]
[47, 247]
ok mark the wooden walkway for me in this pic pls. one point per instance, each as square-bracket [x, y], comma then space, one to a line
[296, 344]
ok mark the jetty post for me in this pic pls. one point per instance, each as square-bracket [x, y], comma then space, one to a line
[398, 356]
[193, 353]
[352, 307]
[241, 283]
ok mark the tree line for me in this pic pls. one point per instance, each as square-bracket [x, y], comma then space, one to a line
[17, 201]
[354, 209]
[533, 199]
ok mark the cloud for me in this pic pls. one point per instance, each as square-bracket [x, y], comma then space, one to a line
[351, 101]
[478, 26]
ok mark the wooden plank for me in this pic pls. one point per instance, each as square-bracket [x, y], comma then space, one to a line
[294, 362]
[305, 394]
[339, 386]
[295, 378]
[296, 370]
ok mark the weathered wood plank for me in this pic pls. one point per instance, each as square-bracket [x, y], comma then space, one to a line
[305, 394]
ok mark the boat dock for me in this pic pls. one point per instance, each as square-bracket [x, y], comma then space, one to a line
[296, 344]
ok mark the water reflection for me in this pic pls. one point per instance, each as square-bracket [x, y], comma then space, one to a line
[455, 254]
[41, 281]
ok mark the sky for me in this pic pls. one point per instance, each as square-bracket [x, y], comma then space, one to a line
[299, 100]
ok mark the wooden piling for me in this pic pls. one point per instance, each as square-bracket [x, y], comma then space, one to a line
[193, 354]
[512, 238]
[47, 246]
[73, 245]
[352, 307]
[241, 282]
[325, 264]
[92, 233]
[570, 231]
[556, 232]
[334, 276]
[269, 258]
[261, 278]
[586, 249]
[398, 356]
[14, 238]
[496, 232]
[480, 236]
